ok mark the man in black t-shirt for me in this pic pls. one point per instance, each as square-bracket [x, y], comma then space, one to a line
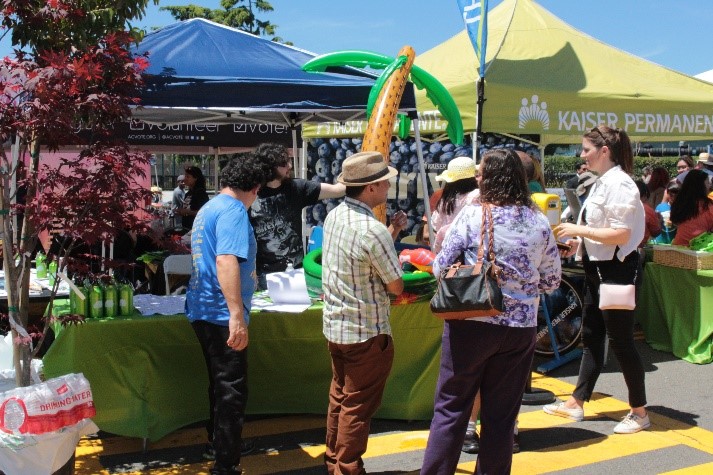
[276, 214]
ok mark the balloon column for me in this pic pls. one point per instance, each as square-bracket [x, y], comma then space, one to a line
[386, 94]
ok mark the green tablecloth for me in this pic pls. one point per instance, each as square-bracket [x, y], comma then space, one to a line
[148, 376]
[675, 310]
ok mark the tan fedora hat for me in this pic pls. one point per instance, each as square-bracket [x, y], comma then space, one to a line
[364, 168]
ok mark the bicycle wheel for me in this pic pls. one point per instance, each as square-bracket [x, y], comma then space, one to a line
[565, 309]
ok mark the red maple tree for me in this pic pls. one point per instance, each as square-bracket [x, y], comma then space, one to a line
[79, 74]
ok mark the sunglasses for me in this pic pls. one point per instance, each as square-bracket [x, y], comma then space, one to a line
[596, 129]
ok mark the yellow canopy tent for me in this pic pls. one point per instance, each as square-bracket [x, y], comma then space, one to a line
[545, 77]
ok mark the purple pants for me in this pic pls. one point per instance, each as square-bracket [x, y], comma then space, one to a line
[495, 359]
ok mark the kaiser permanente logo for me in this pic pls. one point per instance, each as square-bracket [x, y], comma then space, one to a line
[533, 114]
[533, 111]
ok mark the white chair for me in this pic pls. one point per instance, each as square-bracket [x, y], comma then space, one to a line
[177, 264]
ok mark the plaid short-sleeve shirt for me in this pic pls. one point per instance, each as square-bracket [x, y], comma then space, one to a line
[358, 260]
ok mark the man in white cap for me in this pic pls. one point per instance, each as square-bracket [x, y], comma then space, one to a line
[360, 269]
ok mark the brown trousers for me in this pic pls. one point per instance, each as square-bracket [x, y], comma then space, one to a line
[359, 373]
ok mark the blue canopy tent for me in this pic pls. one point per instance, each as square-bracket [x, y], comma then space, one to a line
[204, 72]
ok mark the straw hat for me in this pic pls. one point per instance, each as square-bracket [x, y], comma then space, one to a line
[705, 158]
[364, 168]
[458, 169]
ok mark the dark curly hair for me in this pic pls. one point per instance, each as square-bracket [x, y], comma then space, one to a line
[244, 173]
[272, 155]
[504, 181]
[618, 143]
[692, 197]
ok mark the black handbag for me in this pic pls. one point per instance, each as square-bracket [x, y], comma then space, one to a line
[469, 291]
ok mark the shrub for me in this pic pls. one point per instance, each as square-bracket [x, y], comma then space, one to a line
[559, 168]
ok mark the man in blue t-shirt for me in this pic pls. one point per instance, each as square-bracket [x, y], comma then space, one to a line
[218, 303]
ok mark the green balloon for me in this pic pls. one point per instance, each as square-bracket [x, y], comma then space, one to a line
[435, 91]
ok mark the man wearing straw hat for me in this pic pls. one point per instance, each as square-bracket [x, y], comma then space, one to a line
[705, 163]
[359, 269]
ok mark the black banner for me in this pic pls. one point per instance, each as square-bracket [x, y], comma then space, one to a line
[247, 134]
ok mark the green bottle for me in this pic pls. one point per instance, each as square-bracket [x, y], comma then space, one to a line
[52, 272]
[41, 266]
[96, 302]
[78, 305]
[110, 300]
[126, 300]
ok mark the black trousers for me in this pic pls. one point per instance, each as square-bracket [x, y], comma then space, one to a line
[617, 324]
[227, 393]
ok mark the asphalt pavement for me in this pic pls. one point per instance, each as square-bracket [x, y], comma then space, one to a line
[680, 440]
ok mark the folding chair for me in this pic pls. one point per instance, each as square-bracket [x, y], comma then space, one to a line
[176, 264]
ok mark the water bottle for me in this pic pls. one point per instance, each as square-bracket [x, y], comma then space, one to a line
[87, 289]
[52, 272]
[78, 305]
[110, 300]
[41, 266]
[126, 300]
[96, 302]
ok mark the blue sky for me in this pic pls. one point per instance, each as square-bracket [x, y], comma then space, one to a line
[678, 37]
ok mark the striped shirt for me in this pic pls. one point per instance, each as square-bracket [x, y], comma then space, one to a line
[358, 260]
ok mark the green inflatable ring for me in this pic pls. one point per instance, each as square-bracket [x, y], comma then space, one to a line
[414, 282]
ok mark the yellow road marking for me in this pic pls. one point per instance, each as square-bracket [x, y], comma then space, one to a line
[665, 432]
[587, 452]
[259, 428]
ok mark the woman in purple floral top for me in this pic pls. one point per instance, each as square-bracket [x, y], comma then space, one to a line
[492, 354]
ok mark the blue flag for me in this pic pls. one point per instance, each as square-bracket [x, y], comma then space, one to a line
[475, 16]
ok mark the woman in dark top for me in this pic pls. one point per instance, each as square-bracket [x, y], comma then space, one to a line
[692, 211]
[195, 198]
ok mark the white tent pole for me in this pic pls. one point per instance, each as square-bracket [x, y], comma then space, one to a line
[302, 172]
[424, 177]
[474, 141]
[300, 167]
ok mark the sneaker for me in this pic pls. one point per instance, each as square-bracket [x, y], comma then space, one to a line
[516, 444]
[471, 443]
[246, 447]
[559, 409]
[209, 451]
[631, 424]
[235, 470]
